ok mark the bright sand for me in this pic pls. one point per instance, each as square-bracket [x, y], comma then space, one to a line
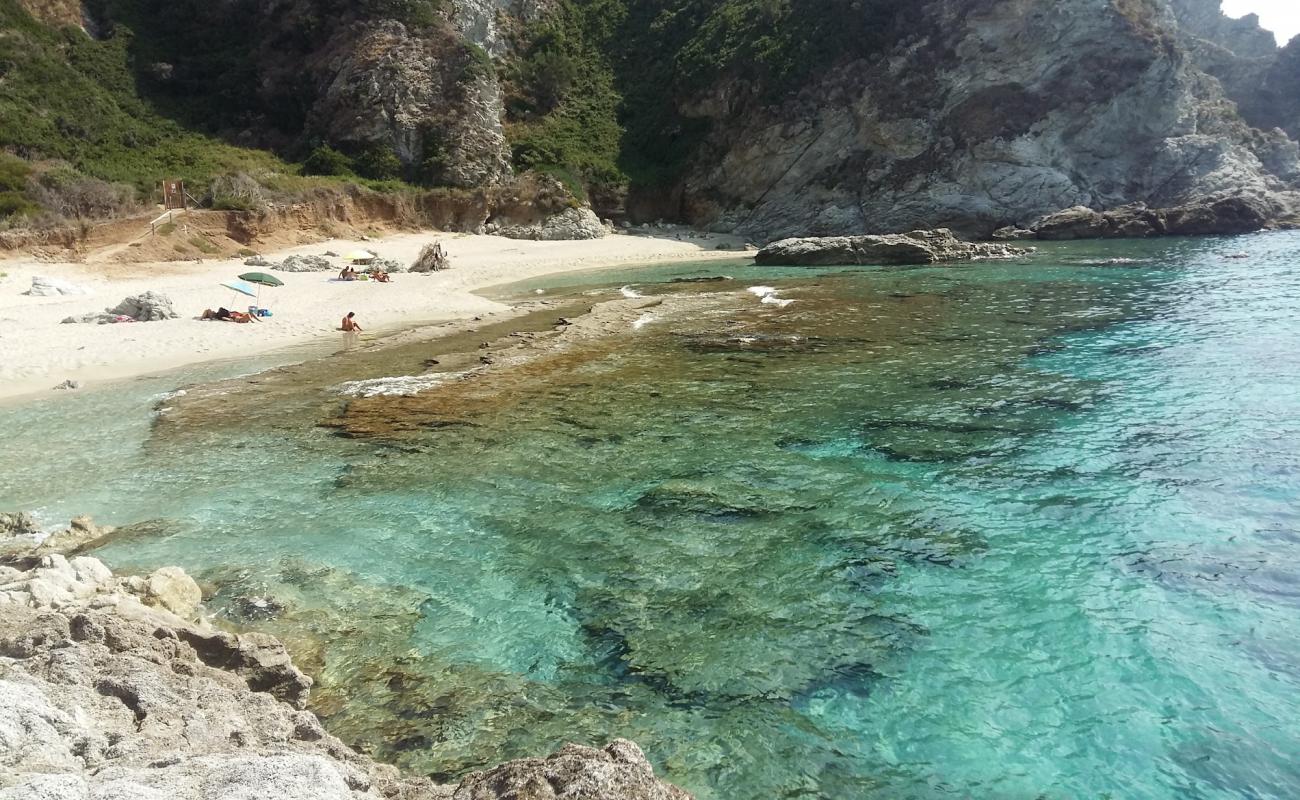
[37, 351]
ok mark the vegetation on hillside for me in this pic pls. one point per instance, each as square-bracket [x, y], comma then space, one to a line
[595, 94]
[597, 87]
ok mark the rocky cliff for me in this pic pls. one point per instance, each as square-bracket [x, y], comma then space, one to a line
[978, 115]
[825, 117]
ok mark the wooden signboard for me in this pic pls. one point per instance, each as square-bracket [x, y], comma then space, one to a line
[174, 194]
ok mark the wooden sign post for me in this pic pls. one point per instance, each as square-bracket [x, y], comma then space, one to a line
[174, 194]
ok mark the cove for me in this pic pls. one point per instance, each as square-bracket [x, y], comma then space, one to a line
[1004, 529]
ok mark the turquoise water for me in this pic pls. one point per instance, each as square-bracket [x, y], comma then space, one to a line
[1010, 530]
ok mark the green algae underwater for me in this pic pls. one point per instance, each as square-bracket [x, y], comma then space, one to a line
[1005, 529]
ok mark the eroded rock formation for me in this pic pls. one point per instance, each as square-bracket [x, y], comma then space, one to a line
[118, 687]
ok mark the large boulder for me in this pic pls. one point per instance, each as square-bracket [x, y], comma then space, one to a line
[1225, 216]
[305, 264]
[147, 307]
[917, 247]
[571, 223]
[619, 771]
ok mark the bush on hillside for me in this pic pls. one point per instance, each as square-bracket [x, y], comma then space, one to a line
[325, 160]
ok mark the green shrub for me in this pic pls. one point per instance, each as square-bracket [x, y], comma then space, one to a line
[377, 162]
[13, 173]
[325, 160]
[166, 229]
[13, 204]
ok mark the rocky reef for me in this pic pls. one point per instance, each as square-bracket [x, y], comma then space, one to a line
[119, 687]
[916, 247]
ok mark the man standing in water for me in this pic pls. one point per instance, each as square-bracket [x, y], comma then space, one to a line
[349, 324]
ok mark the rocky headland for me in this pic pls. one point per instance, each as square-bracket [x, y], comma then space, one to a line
[117, 687]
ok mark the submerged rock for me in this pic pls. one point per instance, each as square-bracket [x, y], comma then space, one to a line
[619, 771]
[916, 247]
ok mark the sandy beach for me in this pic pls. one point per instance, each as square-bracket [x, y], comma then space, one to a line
[39, 352]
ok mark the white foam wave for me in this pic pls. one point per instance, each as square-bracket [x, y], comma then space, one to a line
[398, 386]
[762, 291]
[773, 300]
[630, 293]
[642, 321]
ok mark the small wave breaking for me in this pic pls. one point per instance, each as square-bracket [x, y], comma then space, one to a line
[767, 295]
[398, 386]
[630, 293]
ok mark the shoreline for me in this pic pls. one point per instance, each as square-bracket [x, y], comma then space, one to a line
[40, 352]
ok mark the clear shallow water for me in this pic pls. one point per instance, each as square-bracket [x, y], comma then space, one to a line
[1005, 530]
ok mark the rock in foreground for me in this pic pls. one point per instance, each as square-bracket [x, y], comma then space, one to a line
[110, 689]
[916, 247]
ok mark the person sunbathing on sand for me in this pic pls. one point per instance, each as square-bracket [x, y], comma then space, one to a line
[379, 275]
[349, 324]
[226, 315]
[348, 274]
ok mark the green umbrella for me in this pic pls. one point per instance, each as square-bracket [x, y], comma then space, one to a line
[262, 278]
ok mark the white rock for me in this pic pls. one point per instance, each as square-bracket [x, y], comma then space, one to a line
[52, 287]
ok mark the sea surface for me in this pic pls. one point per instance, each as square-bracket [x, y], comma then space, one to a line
[1020, 529]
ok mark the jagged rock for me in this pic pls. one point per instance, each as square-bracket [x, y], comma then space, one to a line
[104, 697]
[52, 287]
[1232, 215]
[147, 307]
[917, 247]
[101, 698]
[259, 659]
[432, 258]
[259, 261]
[170, 588]
[69, 384]
[25, 545]
[571, 223]
[17, 523]
[620, 771]
[304, 264]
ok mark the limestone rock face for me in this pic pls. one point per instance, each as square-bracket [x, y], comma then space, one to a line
[480, 21]
[424, 96]
[917, 247]
[982, 115]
